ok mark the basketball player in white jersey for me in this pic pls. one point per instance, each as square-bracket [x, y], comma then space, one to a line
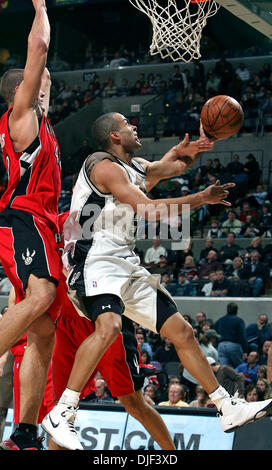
[106, 280]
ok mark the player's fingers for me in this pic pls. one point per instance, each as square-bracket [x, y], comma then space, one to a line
[226, 203]
[228, 185]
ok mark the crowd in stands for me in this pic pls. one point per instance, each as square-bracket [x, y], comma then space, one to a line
[237, 353]
[184, 93]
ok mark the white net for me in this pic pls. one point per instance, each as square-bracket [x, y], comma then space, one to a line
[177, 26]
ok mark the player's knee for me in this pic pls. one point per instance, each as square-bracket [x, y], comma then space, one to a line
[41, 299]
[188, 333]
[108, 327]
[183, 335]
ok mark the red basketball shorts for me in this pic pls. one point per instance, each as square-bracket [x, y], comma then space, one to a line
[27, 246]
[119, 366]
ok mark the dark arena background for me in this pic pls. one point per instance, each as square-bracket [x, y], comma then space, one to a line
[99, 60]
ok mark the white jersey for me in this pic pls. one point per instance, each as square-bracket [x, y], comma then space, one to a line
[98, 222]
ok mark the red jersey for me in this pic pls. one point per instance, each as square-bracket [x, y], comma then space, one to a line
[34, 175]
[18, 348]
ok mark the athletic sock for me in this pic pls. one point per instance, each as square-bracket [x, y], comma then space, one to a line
[70, 397]
[29, 428]
[218, 395]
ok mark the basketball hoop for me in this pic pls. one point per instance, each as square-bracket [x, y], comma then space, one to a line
[177, 29]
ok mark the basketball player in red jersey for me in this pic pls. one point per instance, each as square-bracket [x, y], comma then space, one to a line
[119, 366]
[29, 221]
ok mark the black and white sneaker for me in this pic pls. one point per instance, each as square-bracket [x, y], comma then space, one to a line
[237, 412]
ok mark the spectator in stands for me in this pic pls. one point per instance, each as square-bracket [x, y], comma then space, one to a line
[102, 394]
[110, 89]
[232, 224]
[211, 264]
[252, 170]
[206, 289]
[264, 353]
[249, 367]
[267, 254]
[214, 230]
[136, 89]
[251, 393]
[234, 269]
[244, 74]
[230, 250]
[183, 287]
[249, 228]
[207, 346]
[255, 273]
[260, 195]
[150, 393]
[166, 352]
[200, 318]
[124, 89]
[212, 83]
[224, 70]
[267, 107]
[221, 286]
[165, 280]
[163, 266]
[208, 247]
[235, 166]
[206, 325]
[206, 168]
[263, 389]
[256, 245]
[262, 370]
[227, 376]
[153, 253]
[202, 398]
[145, 356]
[179, 82]
[233, 342]
[258, 332]
[217, 168]
[176, 396]
[245, 211]
[118, 60]
[143, 344]
[265, 220]
[190, 269]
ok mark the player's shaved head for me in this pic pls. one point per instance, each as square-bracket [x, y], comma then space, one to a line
[102, 127]
[10, 80]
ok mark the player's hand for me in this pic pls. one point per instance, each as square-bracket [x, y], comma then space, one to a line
[192, 148]
[217, 194]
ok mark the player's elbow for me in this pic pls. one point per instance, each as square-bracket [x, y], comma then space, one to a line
[38, 44]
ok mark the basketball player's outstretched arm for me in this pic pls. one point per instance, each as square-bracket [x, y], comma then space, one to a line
[120, 186]
[23, 122]
[177, 160]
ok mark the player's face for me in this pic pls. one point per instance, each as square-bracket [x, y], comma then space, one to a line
[128, 135]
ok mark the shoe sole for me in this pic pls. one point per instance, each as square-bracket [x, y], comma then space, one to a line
[260, 414]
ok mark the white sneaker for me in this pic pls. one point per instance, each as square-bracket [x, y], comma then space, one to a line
[59, 423]
[236, 412]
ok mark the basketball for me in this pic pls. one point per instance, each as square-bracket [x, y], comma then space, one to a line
[222, 117]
